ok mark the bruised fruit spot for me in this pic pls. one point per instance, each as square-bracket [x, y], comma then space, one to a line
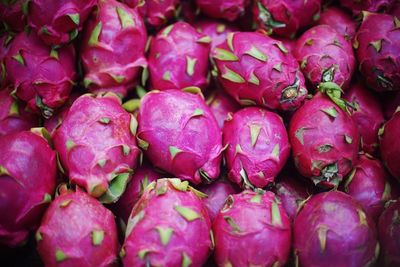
[60, 256]
[165, 234]
[97, 237]
[186, 261]
[187, 213]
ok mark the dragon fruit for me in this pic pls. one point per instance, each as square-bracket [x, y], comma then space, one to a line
[58, 22]
[289, 44]
[176, 224]
[339, 20]
[391, 101]
[217, 193]
[178, 58]
[155, 12]
[325, 56]
[220, 9]
[325, 141]
[180, 135]
[395, 11]
[222, 105]
[378, 51]
[143, 176]
[43, 77]
[368, 115]
[252, 229]
[389, 235]
[113, 46]
[367, 5]
[4, 46]
[369, 185]
[77, 230]
[13, 14]
[28, 172]
[333, 230]
[97, 146]
[284, 17]
[258, 70]
[258, 147]
[390, 146]
[13, 117]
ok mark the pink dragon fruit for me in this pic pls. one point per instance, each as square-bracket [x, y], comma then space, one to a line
[13, 14]
[285, 17]
[143, 176]
[178, 58]
[28, 172]
[378, 51]
[395, 11]
[325, 56]
[180, 135]
[333, 230]
[113, 46]
[4, 46]
[258, 70]
[77, 230]
[220, 9]
[97, 146]
[252, 229]
[367, 5]
[369, 185]
[189, 11]
[391, 102]
[339, 20]
[217, 193]
[257, 147]
[289, 44]
[155, 12]
[43, 77]
[13, 117]
[325, 141]
[176, 224]
[390, 146]
[368, 115]
[222, 105]
[58, 22]
[389, 235]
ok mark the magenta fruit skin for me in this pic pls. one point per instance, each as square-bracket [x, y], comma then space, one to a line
[179, 134]
[179, 58]
[389, 145]
[175, 223]
[96, 143]
[378, 51]
[332, 229]
[367, 5]
[4, 46]
[222, 9]
[113, 48]
[252, 230]
[12, 15]
[27, 184]
[257, 147]
[258, 70]
[340, 20]
[325, 141]
[77, 231]
[222, 106]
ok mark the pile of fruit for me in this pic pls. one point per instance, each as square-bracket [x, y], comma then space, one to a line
[226, 133]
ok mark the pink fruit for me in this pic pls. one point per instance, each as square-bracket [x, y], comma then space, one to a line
[178, 58]
[27, 183]
[112, 50]
[156, 13]
[43, 77]
[325, 141]
[258, 70]
[325, 56]
[58, 22]
[395, 11]
[257, 147]
[252, 230]
[390, 146]
[378, 51]
[97, 146]
[290, 44]
[222, 105]
[389, 235]
[220, 9]
[339, 20]
[368, 115]
[367, 5]
[13, 15]
[4, 46]
[77, 231]
[180, 135]
[143, 176]
[176, 226]
[391, 102]
[369, 185]
[333, 230]
[285, 17]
